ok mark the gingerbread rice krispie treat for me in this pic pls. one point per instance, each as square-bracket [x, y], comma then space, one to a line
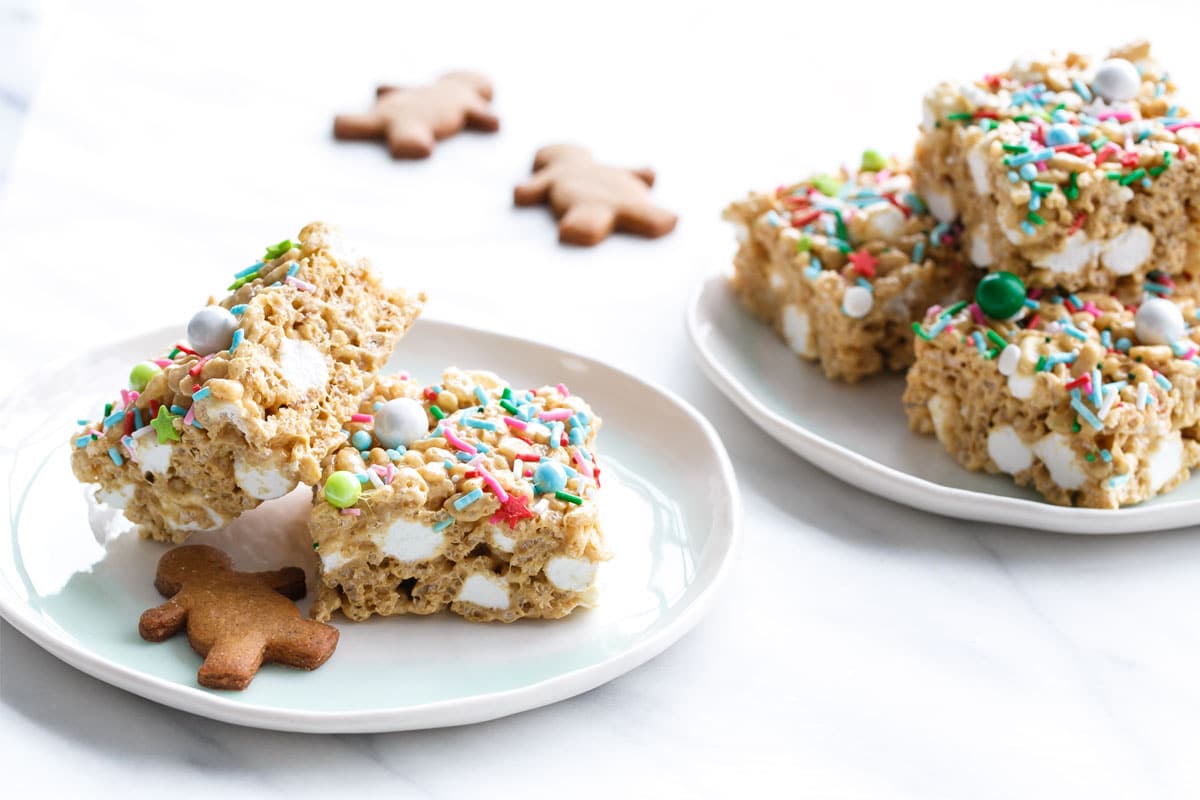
[1091, 402]
[1067, 171]
[841, 265]
[253, 399]
[468, 495]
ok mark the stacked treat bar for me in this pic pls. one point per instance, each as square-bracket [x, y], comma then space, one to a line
[1067, 359]
[468, 495]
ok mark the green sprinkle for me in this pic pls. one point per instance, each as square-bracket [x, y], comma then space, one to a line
[1035, 218]
[1114, 176]
[437, 412]
[1166, 158]
[242, 281]
[567, 497]
[107, 409]
[1014, 148]
[1075, 426]
[919, 331]
[988, 124]
[1091, 457]
[841, 225]
[873, 161]
[804, 243]
[1099, 142]
[1072, 190]
[1021, 118]
[960, 116]
[1041, 364]
[1042, 188]
[507, 393]
[1137, 174]
[826, 185]
[1159, 170]
[997, 339]
[954, 309]
[276, 250]
[507, 405]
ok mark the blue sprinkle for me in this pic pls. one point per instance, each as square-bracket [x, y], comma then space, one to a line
[114, 418]
[1123, 344]
[481, 396]
[293, 269]
[1107, 456]
[1027, 228]
[443, 523]
[137, 419]
[467, 499]
[250, 270]
[1162, 381]
[82, 422]
[918, 255]
[1035, 201]
[479, 423]
[1071, 330]
[1085, 412]
[814, 267]
[238, 335]
[178, 411]
[773, 219]
[115, 455]
[196, 424]
[979, 343]
[393, 454]
[447, 463]
[481, 447]
[1028, 172]
[1013, 177]
[200, 395]
[238, 310]
[82, 441]
[915, 203]
[362, 477]
[464, 456]
[1031, 157]
[1031, 303]
[1117, 480]
[1106, 339]
[866, 284]
[1081, 89]
[378, 405]
[361, 440]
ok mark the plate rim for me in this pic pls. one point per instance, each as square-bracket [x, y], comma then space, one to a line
[901, 487]
[723, 548]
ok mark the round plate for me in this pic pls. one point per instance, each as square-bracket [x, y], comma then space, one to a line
[670, 508]
[860, 433]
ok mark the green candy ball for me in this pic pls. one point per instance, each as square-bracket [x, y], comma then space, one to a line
[1000, 295]
[342, 489]
[873, 161]
[142, 373]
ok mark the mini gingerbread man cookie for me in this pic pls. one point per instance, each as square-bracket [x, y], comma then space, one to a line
[235, 620]
[592, 199]
[412, 120]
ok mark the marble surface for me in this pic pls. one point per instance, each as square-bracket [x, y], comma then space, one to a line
[863, 649]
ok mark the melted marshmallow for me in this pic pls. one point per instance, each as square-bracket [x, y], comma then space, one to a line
[977, 162]
[152, 455]
[501, 540]
[405, 540]
[571, 574]
[261, 483]
[117, 498]
[1054, 449]
[1079, 252]
[884, 219]
[213, 412]
[1007, 451]
[981, 249]
[1128, 250]
[489, 591]
[943, 410]
[1021, 386]
[330, 562]
[797, 330]
[941, 204]
[1165, 460]
[303, 365]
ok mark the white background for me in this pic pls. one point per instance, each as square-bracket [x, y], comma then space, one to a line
[862, 649]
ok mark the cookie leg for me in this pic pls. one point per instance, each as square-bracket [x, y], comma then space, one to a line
[410, 141]
[586, 224]
[231, 663]
[357, 127]
[304, 644]
[481, 118]
[646, 220]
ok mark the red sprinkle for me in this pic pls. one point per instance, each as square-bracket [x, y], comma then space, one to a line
[198, 366]
[528, 457]
[800, 222]
[1078, 223]
[864, 263]
[1033, 321]
[361, 418]
[1084, 379]
[181, 348]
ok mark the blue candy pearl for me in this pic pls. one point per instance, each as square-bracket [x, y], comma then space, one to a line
[549, 476]
[361, 440]
[1061, 133]
[1028, 171]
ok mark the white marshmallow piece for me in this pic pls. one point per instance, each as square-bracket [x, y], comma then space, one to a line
[400, 422]
[1117, 80]
[857, 302]
[210, 330]
[1158, 321]
[1010, 357]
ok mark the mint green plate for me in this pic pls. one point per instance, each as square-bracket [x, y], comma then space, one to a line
[671, 511]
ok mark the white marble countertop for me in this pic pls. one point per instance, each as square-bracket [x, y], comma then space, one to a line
[862, 649]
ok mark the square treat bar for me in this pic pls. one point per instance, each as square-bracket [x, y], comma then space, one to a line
[466, 495]
[842, 266]
[1066, 172]
[1090, 402]
[254, 401]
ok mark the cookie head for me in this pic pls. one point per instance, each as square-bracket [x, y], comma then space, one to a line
[187, 563]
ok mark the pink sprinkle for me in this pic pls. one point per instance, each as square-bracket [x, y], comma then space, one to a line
[528, 473]
[585, 466]
[562, 389]
[163, 363]
[351, 512]
[556, 415]
[977, 314]
[1187, 123]
[513, 422]
[125, 397]
[1091, 308]
[303, 286]
[933, 311]
[1120, 116]
[1188, 355]
[492, 483]
[361, 418]
[1034, 294]
[404, 375]
[457, 442]
[386, 473]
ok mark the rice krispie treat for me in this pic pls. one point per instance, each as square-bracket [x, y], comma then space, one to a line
[840, 266]
[253, 400]
[1066, 171]
[467, 495]
[1091, 402]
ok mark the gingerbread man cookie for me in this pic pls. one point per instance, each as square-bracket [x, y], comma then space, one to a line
[592, 199]
[412, 120]
[235, 620]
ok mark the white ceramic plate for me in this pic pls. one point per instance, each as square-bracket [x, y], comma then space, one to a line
[860, 433]
[670, 506]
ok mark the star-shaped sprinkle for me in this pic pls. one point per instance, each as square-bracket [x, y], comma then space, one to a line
[512, 511]
[164, 426]
[864, 263]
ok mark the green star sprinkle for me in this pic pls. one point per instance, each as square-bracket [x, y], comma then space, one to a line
[164, 426]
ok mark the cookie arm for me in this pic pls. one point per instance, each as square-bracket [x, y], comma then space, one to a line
[162, 622]
[534, 190]
[645, 175]
[232, 662]
[479, 117]
[288, 581]
[355, 127]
